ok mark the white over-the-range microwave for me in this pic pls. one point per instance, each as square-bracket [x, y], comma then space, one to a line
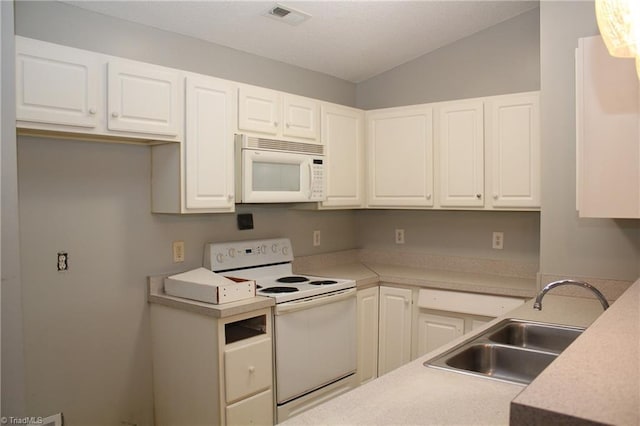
[277, 171]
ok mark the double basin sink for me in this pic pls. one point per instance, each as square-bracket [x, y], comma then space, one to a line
[512, 350]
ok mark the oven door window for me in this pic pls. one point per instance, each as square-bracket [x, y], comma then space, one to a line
[268, 176]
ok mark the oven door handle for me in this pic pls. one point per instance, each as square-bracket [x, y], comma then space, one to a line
[297, 305]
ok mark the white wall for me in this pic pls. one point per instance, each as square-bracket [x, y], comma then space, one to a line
[13, 389]
[571, 246]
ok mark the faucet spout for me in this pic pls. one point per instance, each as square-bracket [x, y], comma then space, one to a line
[538, 303]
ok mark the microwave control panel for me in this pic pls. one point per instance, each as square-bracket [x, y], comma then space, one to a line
[317, 180]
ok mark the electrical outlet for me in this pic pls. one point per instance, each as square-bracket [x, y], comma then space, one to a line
[498, 240]
[316, 238]
[63, 261]
[178, 251]
[399, 236]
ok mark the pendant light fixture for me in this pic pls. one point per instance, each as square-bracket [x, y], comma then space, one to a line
[619, 24]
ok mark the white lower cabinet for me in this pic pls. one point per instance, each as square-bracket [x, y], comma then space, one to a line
[367, 311]
[444, 315]
[437, 330]
[209, 370]
[394, 345]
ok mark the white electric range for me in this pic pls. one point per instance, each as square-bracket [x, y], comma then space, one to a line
[314, 321]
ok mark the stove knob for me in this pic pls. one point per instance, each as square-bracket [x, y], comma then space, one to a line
[263, 249]
[232, 252]
[274, 248]
[219, 257]
[285, 250]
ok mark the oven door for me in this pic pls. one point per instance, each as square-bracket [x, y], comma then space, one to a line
[315, 342]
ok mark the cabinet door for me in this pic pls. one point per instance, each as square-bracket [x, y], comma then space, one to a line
[461, 153]
[608, 147]
[400, 150]
[301, 117]
[343, 137]
[258, 110]
[256, 410]
[143, 98]
[513, 145]
[437, 330]
[394, 328]
[208, 145]
[367, 309]
[56, 84]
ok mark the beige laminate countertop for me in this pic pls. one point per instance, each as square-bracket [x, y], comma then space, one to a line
[417, 395]
[596, 380]
[370, 274]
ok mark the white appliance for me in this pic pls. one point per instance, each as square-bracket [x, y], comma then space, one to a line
[276, 171]
[314, 321]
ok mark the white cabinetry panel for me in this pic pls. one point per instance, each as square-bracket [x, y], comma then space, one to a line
[513, 144]
[143, 98]
[258, 110]
[395, 328]
[301, 117]
[400, 152]
[367, 309]
[461, 154]
[57, 85]
[608, 138]
[343, 136]
[437, 330]
[209, 151]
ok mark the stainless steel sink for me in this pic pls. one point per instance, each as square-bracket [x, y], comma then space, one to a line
[512, 350]
[536, 335]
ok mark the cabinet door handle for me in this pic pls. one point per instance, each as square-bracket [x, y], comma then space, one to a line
[275, 124]
[252, 369]
[428, 196]
[92, 111]
[230, 197]
[115, 114]
[495, 196]
[478, 196]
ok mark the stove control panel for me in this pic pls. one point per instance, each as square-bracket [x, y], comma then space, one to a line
[247, 254]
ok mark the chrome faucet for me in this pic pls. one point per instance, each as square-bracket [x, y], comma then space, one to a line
[538, 303]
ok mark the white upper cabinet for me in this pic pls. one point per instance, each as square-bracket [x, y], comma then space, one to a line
[60, 89]
[197, 176]
[513, 150]
[343, 137]
[301, 117]
[278, 114]
[258, 110]
[400, 157]
[143, 98]
[209, 162]
[57, 85]
[460, 142]
[608, 140]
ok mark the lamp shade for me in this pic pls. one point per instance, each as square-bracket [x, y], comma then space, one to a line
[619, 24]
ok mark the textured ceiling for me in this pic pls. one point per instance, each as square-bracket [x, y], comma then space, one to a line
[352, 40]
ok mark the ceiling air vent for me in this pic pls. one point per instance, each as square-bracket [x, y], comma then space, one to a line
[287, 14]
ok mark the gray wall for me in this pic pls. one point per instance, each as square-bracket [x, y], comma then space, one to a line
[568, 245]
[453, 233]
[71, 26]
[502, 59]
[13, 389]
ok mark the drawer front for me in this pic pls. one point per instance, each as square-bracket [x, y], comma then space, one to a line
[247, 369]
[257, 410]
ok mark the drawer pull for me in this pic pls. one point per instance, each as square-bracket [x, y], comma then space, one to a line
[252, 369]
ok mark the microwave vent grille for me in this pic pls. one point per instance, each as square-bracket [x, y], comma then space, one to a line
[279, 145]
